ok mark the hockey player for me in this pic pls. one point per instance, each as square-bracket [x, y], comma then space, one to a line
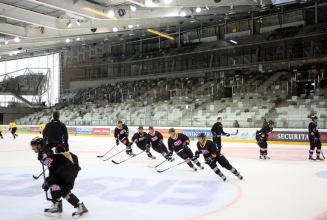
[314, 138]
[262, 137]
[121, 134]
[140, 139]
[178, 142]
[42, 126]
[217, 130]
[1, 132]
[63, 170]
[211, 156]
[13, 128]
[55, 134]
[155, 138]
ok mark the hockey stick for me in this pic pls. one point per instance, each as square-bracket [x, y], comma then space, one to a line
[322, 154]
[107, 152]
[46, 192]
[114, 155]
[127, 158]
[235, 133]
[166, 159]
[36, 177]
[160, 171]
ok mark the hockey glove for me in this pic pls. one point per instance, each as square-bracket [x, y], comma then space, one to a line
[40, 132]
[170, 154]
[185, 145]
[315, 139]
[126, 134]
[45, 186]
[210, 160]
[214, 135]
[261, 140]
[117, 142]
[42, 156]
[227, 134]
[197, 154]
[161, 143]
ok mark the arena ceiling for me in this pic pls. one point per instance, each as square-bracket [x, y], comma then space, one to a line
[42, 25]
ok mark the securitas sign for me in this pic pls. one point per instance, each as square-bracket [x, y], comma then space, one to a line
[194, 133]
[101, 131]
[293, 136]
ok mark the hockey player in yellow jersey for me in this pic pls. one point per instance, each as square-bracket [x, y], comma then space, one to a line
[13, 128]
[42, 126]
[1, 132]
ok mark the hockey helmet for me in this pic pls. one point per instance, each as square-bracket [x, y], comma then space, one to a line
[271, 122]
[140, 127]
[171, 130]
[120, 121]
[36, 141]
[202, 135]
[314, 117]
[151, 128]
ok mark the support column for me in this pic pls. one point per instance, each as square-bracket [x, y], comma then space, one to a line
[316, 12]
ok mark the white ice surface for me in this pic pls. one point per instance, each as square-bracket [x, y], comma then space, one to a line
[275, 189]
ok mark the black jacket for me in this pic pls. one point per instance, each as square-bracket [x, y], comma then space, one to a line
[139, 138]
[218, 128]
[120, 133]
[208, 149]
[55, 132]
[265, 132]
[177, 143]
[313, 130]
[154, 139]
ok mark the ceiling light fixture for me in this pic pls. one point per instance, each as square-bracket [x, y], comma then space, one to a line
[10, 54]
[69, 24]
[193, 19]
[67, 40]
[207, 8]
[16, 39]
[111, 13]
[115, 29]
[133, 7]
[78, 39]
[6, 42]
[231, 10]
[78, 22]
[182, 13]
[234, 42]
[198, 10]
[130, 26]
[137, 25]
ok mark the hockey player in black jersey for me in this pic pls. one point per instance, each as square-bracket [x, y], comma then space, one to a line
[63, 170]
[262, 137]
[140, 139]
[179, 141]
[121, 134]
[314, 138]
[211, 156]
[217, 131]
[155, 139]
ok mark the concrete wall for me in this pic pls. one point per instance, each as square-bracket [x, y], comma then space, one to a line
[15, 113]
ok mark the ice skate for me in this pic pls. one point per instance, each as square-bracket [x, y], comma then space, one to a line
[201, 167]
[222, 176]
[151, 156]
[81, 211]
[261, 157]
[239, 175]
[266, 157]
[311, 158]
[319, 159]
[194, 168]
[55, 211]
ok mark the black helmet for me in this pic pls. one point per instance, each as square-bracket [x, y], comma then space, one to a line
[314, 117]
[271, 122]
[202, 135]
[120, 121]
[151, 128]
[140, 127]
[36, 141]
[171, 130]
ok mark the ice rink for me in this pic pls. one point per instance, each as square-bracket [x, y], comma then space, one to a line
[285, 187]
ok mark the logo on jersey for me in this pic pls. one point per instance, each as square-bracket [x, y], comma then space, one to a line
[48, 162]
[141, 138]
[122, 131]
[155, 138]
[205, 151]
[178, 142]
